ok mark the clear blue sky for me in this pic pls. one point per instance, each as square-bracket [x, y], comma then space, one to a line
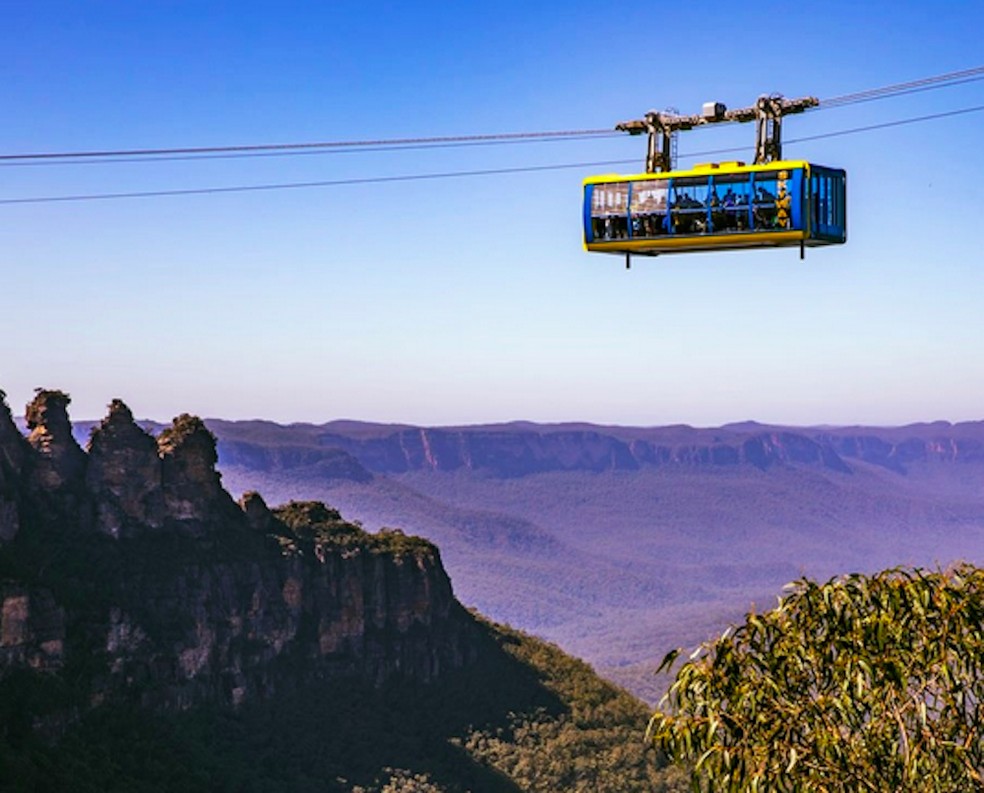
[471, 300]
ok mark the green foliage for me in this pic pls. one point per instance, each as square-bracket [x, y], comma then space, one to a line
[319, 525]
[594, 743]
[187, 428]
[859, 684]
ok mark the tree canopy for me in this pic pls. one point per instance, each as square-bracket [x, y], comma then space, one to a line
[863, 683]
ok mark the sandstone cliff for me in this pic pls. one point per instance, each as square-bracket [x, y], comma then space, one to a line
[351, 450]
[128, 573]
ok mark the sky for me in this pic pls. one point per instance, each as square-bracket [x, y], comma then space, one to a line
[470, 299]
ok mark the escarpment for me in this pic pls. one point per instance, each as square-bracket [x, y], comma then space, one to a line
[127, 573]
[358, 451]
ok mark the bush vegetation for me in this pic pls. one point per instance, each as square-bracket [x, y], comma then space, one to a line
[864, 683]
[316, 523]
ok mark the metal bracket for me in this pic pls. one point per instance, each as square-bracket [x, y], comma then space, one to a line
[660, 126]
[769, 111]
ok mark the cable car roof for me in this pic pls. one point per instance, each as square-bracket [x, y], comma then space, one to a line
[701, 169]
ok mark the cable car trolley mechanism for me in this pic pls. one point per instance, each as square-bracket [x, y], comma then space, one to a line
[716, 206]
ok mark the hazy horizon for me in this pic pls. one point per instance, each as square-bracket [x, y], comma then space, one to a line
[732, 425]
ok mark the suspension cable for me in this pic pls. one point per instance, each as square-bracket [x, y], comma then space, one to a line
[282, 149]
[901, 89]
[313, 151]
[454, 174]
[448, 140]
[298, 185]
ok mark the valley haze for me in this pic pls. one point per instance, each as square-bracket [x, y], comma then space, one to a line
[620, 543]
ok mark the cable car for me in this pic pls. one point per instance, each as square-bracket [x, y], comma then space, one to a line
[716, 206]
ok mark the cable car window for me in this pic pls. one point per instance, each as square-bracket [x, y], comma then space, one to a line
[609, 203]
[824, 204]
[648, 208]
[731, 193]
[831, 200]
[689, 206]
[828, 198]
[764, 209]
[815, 202]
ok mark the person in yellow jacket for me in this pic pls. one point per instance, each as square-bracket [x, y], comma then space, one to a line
[784, 203]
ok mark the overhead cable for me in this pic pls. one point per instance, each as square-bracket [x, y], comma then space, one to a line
[933, 82]
[338, 144]
[453, 174]
[297, 185]
[589, 135]
[913, 86]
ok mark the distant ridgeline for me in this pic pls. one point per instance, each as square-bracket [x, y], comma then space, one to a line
[356, 451]
[132, 583]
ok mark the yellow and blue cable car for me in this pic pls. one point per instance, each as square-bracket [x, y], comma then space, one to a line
[717, 206]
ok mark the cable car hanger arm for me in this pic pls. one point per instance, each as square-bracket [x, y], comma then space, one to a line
[767, 113]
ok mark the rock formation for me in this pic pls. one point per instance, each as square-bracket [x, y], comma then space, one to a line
[59, 465]
[13, 454]
[192, 487]
[132, 565]
[124, 475]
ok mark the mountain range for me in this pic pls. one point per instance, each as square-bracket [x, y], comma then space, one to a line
[620, 543]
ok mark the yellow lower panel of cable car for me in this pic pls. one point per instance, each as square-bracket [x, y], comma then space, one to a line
[704, 242]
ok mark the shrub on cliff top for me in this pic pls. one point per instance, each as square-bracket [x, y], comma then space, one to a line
[314, 521]
[182, 429]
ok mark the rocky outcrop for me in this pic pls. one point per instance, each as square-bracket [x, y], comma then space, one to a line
[192, 486]
[124, 475]
[14, 451]
[59, 462]
[13, 447]
[130, 564]
[138, 483]
[258, 514]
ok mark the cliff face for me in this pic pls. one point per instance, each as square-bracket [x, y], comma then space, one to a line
[523, 452]
[128, 572]
[348, 450]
